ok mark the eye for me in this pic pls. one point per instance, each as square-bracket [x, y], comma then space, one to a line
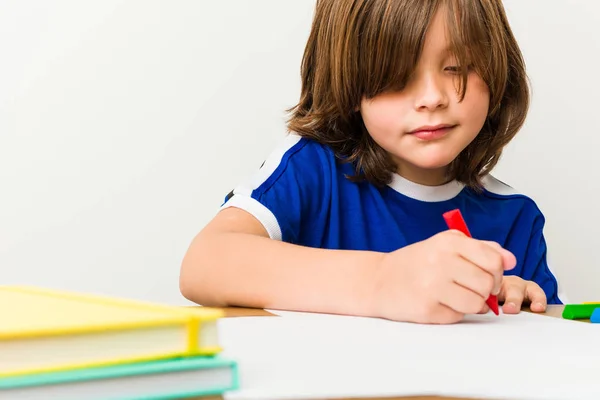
[455, 69]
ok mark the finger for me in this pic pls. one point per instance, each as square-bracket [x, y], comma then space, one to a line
[470, 276]
[485, 309]
[513, 295]
[461, 299]
[445, 315]
[535, 294]
[510, 261]
[484, 256]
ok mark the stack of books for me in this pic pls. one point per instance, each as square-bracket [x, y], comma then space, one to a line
[63, 345]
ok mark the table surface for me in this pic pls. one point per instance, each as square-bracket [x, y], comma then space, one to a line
[554, 311]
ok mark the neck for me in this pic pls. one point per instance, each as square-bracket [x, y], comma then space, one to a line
[426, 177]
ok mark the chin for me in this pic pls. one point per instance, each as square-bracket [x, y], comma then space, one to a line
[433, 155]
[433, 161]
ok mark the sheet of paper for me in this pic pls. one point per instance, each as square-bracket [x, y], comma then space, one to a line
[304, 356]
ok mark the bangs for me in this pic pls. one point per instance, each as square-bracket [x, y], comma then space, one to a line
[362, 48]
[477, 40]
[390, 43]
[393, 35]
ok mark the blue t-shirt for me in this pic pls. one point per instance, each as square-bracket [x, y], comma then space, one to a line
[301, 195]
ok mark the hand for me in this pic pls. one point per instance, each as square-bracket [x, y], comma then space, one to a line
[515, 291]
[440, 279]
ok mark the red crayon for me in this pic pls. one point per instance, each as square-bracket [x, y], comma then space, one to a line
[454, 220]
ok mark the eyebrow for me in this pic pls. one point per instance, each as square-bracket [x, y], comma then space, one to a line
[447, 52]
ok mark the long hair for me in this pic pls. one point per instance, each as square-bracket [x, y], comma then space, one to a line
[361, 48]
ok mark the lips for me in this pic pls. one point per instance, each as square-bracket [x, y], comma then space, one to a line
[432, 132]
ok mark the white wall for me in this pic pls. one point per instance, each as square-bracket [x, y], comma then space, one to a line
[553, 158]
[124, 123]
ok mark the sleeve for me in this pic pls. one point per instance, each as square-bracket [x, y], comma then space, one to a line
[286, 189]
[535, 268]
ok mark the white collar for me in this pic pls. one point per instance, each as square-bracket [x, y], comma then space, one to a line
[420, 192]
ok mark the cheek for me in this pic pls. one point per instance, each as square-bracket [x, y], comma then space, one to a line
[476, 102]
[381, 115]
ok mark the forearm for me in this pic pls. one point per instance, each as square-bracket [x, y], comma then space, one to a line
[239, 269]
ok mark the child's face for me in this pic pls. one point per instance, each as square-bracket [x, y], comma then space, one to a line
[430, 99]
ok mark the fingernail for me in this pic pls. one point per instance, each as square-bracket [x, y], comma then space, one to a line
[512, 305]
[538, 305]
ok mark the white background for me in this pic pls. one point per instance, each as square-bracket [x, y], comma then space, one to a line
[123, 124]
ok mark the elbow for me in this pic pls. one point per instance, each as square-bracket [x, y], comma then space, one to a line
[192, 289]
[190, 274]
[194, 284]
[186, 288]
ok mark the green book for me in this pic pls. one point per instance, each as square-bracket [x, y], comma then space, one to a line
[164, 379]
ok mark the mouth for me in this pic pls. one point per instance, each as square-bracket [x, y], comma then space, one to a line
[432, 132]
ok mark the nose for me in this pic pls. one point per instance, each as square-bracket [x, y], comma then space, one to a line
[430, 92]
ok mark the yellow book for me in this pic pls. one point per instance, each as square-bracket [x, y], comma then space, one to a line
[43, 330]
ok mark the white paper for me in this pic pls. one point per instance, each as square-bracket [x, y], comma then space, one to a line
[303, 355]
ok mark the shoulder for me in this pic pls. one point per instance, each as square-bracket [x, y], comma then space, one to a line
[294, 159]
[286, 187]
[511, 199]
[495, 188]
[295, 148]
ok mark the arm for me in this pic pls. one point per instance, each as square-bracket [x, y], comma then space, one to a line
[233, 262]
[248, 256]
[536, 268]
[241, 266]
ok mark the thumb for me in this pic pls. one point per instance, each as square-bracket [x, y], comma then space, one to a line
[509, 260]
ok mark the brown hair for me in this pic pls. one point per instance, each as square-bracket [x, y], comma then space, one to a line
[362, 48]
